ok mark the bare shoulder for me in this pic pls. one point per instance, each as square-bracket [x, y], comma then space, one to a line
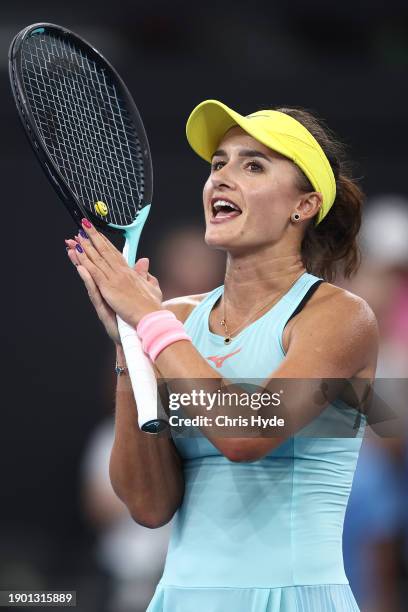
[338, 308]
[338, 320]
[352, 309]
[182, 306]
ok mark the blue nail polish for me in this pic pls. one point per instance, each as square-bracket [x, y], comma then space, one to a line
[83, 234]
[79, 248]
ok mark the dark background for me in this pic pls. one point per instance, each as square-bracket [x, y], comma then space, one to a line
[348, 61]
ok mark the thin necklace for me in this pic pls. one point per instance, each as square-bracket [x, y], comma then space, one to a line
[228, 335]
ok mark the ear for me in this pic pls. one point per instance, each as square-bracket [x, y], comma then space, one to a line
[309, 205]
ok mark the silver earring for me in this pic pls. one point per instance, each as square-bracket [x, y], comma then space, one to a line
[295, 217]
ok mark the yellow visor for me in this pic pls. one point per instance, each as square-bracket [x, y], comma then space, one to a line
[211, 119]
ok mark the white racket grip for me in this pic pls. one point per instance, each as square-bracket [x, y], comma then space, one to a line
[141, 372]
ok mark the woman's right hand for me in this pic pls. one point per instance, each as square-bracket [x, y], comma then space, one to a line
[105, 313]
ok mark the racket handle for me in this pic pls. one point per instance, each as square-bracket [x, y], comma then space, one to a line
[143, 380]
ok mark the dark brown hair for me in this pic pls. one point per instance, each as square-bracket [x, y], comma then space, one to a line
[331, 246]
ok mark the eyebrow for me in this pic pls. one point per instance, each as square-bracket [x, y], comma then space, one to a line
[243, 153]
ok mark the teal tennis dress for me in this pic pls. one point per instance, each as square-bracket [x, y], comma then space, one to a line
[264, 536]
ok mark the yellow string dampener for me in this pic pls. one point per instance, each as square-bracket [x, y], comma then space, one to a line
[101, 208]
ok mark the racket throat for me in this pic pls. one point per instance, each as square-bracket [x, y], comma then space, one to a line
[132, 234]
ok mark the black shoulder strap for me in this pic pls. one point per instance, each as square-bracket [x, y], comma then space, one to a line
[305, 299]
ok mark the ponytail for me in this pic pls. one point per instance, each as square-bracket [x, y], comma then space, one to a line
[331, 246]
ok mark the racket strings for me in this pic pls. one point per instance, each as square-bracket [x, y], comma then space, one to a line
[85, 125]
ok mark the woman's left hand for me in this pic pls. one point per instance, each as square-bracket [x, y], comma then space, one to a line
[131, 293]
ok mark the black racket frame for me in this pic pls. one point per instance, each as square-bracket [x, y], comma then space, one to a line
[71, 202]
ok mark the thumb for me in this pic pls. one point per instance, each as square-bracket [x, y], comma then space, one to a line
[153, 280]
[142, 266]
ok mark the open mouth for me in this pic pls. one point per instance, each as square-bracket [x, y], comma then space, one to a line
[224, 209]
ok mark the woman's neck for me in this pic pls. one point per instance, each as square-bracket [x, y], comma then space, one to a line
[251, 279]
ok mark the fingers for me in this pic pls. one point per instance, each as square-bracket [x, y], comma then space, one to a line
[142, 266]
[73, 257]
[71, 251]
[98, 248]
[87, 278]
[78, 257]
[81, 252]
[91, 287]
[99, 271]
[93, 256]
[153, 280]
[101, 259]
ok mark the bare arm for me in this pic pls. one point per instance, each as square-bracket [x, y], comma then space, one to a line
[145, 470]
[336, 341]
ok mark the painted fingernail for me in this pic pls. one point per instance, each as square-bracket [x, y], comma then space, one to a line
[83, 234]
[67, 249]
[86, 223]
[79, 248]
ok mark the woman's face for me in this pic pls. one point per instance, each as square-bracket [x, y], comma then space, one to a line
[257, 181]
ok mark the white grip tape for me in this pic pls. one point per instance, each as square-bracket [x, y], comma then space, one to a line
[141, 374]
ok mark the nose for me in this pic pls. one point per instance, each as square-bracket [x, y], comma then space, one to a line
[223, 178]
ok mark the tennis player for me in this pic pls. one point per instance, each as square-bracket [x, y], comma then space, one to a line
[258, 520]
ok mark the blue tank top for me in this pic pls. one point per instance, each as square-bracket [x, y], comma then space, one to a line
[274, 522]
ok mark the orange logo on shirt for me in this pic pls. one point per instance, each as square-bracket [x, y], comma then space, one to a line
[218, 360]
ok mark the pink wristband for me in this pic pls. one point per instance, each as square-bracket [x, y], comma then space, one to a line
[159, 329]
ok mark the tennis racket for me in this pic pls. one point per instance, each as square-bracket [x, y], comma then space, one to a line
[90, 140]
